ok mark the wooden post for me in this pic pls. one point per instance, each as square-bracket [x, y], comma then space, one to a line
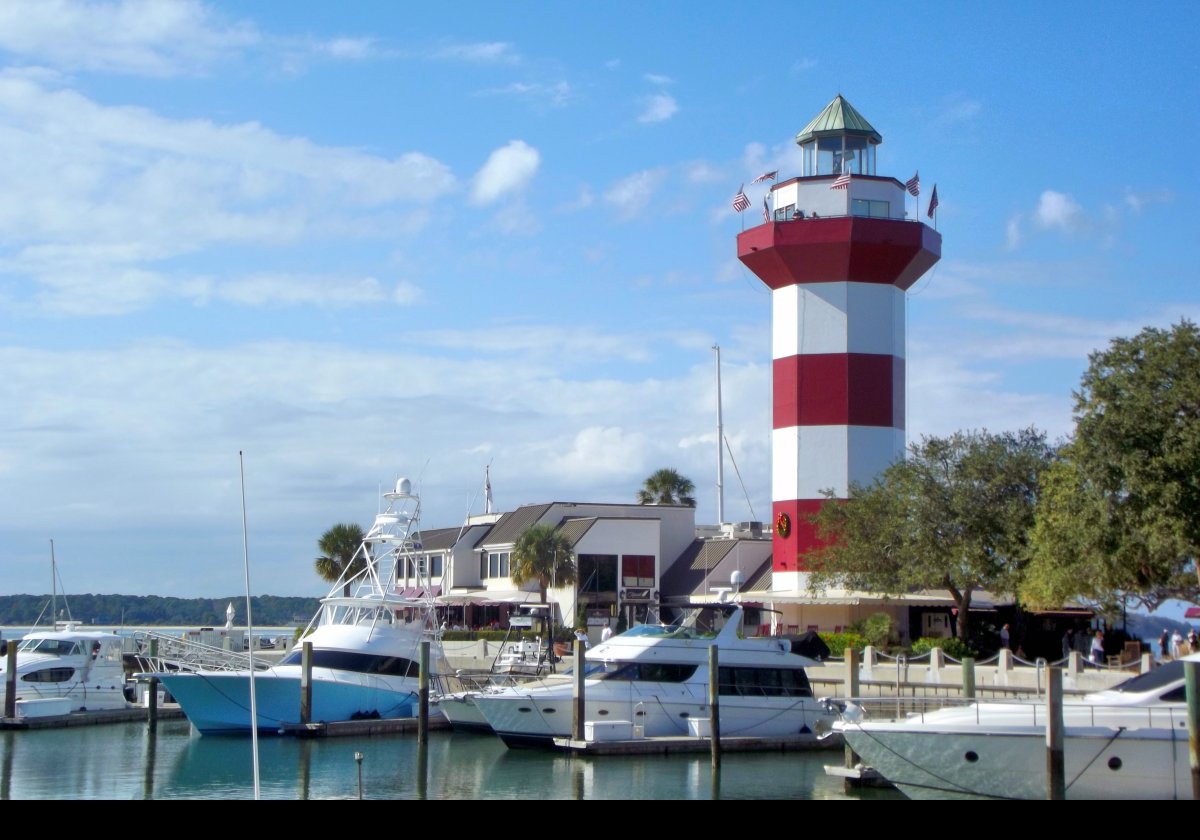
[10, 694]
[306, 656]
[577, 694]
[714, 706]
[1055, 765]
[423, 696]
[152, 715]
[1191, 675]
[968, 677]
[852, 691]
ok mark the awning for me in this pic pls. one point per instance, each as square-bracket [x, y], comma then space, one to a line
[419, 591]
[485, 598]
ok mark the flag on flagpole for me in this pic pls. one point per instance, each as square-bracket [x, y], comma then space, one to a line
[766, 176]
[841, 182]
[766, 211]
[913, 185]
[487, 489]
[933, 201]
[740, 202]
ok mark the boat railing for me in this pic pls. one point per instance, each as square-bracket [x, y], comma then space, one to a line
[175, 653]
[1020, 712]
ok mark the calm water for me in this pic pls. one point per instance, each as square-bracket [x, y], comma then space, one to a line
[125, 762]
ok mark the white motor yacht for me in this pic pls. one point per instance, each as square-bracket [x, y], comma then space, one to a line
[1128, 742]
[366, 645]
[654, 679]
[83, 667]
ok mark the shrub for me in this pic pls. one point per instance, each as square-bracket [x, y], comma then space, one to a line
[953, 647]
[838, 642]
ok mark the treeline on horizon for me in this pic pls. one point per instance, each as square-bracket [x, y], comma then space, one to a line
[149, 610]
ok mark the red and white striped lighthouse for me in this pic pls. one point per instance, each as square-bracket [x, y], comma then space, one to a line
[839, 255]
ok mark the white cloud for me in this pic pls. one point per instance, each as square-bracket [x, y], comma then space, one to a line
[633, 192]
[1012, 233]
[601, 452]
[803, 64]
[508, 169]
[140, 37]
[280, 290]
[658, 108]
[702, 172]
[958, 109]
[1059, 211]
[658, 79]
[98, 195]
[1138, 200]
[489, 52]
[354, 49]
[557, 94]
[583, 200]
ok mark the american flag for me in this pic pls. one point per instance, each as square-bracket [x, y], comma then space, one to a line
[740, 202]
[766, 211]
[766, 176]
[841, 182]
[933, 201]
[913, 185]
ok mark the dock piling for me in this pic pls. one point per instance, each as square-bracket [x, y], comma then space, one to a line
[1191, 674]
[152, 713]
[10, 695]
[423, 696]
[1055, 763]
[306, 664]
[714, 706]
[577, 694]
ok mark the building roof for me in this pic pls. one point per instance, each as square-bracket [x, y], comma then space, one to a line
[839, 118]
[440, 539]
[574, 528]
[511, 525]
[711, 563]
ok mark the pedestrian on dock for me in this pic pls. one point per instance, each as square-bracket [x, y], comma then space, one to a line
[1068, 642]
[1004, 637]
[1098, 649]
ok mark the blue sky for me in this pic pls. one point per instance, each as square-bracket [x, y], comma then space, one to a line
[364, 240]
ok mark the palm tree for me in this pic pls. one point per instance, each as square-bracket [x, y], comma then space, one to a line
[667, 487]
[340, 556]
[542, 553]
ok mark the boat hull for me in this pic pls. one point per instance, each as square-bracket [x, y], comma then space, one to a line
[1010, 762]
[219, 702]
[535, 719]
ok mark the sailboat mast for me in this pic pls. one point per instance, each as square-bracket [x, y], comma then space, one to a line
[720, 445]
[53, 588]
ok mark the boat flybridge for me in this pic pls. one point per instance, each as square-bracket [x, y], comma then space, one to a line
[653, 680]
[365, 638]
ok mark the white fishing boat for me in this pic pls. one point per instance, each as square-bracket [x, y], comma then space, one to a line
[81, 670]
[652, 680]
[365, 645]
[1128, 742]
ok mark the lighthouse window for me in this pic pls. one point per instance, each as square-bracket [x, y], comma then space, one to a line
[873, 209]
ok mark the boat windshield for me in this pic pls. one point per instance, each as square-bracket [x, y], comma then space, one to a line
[699, 622]
[51, 647]
[1160, 677]
[662, 672]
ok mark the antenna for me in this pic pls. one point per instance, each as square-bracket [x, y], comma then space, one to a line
[720, 445]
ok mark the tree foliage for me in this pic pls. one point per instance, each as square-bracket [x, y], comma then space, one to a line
[340, 556]
[1120, 517]
[667, 487]
[954, 515]
[543, 554]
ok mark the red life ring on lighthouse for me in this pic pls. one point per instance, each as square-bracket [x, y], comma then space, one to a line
[783, 525]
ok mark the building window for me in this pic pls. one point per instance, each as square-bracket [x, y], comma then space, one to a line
[637, 570]
[435, 565]
[598, 574]
[498, 564]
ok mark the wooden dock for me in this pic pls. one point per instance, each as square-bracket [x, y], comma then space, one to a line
[135, 714]
[677, 744]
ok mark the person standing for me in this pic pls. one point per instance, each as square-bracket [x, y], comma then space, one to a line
[1164, 641]
[1004, 637]
[606, 633]
[1098, 648]
[1068, 642]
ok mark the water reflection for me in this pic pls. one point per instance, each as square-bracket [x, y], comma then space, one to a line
[128, 762]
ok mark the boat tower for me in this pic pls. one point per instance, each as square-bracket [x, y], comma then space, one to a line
[838, 253]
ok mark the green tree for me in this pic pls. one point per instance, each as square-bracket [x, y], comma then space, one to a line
[1120, 516]
[667, 487]
[340, 554]
[955, 515]
[543, 554]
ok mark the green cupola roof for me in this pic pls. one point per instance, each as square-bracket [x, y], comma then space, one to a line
[839, 119]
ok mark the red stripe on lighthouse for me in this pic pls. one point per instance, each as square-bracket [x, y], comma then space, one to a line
[838, 389]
